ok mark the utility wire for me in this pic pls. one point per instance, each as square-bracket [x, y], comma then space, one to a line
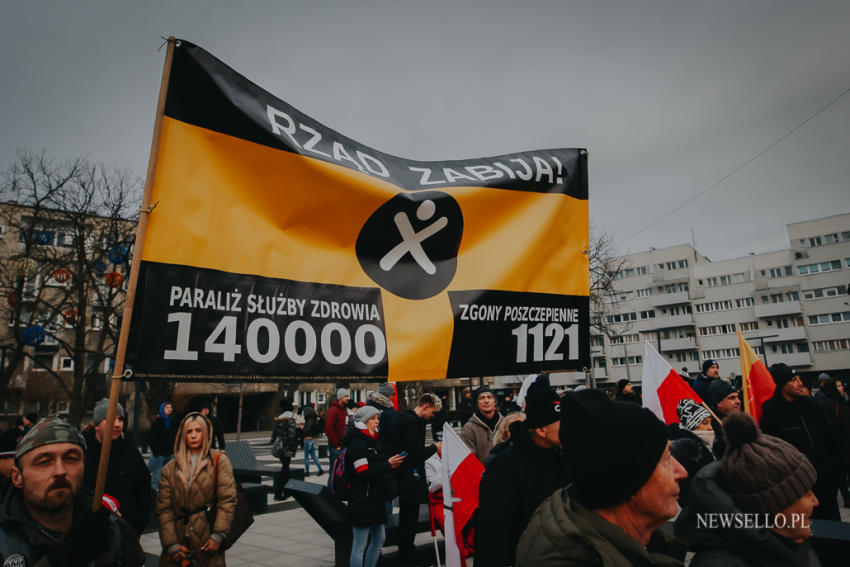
[739, 168]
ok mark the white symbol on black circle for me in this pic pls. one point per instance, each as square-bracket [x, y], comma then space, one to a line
[409, 245]
[411, 241]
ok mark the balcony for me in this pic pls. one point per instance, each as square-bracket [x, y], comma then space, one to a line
[785, 335]
[670, 321]
[665, 299]
[794, 359]
[670, 276]
[600, 373]
[669, 345]
[767, 310]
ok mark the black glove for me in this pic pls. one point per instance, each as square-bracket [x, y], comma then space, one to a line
[88, 537]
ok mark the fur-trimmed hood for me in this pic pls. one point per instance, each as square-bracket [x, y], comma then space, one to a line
[379, 399]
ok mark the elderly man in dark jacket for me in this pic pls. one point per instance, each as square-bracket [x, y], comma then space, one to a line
[127, 477]
[793, 416]
[624, 487]
[518, 479]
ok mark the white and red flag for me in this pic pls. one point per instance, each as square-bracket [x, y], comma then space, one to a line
[461, 476]
[663, 388]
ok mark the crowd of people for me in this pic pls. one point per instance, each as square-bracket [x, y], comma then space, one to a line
[570, 478]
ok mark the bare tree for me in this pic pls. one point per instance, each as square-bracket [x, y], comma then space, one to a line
[69, 230]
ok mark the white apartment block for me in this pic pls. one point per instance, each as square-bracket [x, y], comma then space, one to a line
[792, 305]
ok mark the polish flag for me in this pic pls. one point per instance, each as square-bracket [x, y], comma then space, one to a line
[758, 384]
[663, 388]
[461, 476]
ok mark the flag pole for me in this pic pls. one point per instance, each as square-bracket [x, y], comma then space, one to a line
[146, 209]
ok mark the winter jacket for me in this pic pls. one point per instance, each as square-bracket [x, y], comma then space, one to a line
[335, 423]
[163, 430]
[563, 533]
[410, 436]
[691, 452]
[803, 424]
[183, 498]
[478, 436]
[16, 525]
[701, 385]
[127, 478]
[465, 409]
[516, 482]
[733, 547]
[368, 470]
[838, 414]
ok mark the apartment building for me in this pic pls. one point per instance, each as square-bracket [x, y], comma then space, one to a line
[792, 306]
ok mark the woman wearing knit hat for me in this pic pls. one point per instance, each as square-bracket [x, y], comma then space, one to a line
[762, 482]
[370, 488]
[691, 442]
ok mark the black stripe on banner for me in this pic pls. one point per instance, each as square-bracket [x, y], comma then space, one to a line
[205, 92]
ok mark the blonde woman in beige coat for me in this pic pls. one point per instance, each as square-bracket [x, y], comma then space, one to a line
[190, 483]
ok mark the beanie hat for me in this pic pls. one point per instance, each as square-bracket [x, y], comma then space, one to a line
[763, 474]
[542, 407]
[482, 390]
[708, 363]
[48, 431]
[691, 414]
[622, 383]
[100, 409]
[611, 448]
[823, 376]
[386, 389]
[782, 374]
[717, 390]
[362, 415]
[342, 393]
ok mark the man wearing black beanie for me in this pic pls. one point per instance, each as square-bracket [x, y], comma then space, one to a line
[624, 487]
[519, 479]
[479, 431]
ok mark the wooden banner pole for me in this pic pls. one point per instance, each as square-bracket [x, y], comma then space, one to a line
[118, 373]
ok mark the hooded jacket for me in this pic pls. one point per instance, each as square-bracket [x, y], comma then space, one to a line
[478, 436]
[15, 523]
[127, 478]
[516, 481]
[733, 547]
[386, 426]
[187, 487]
[163, 430]
[563, 533]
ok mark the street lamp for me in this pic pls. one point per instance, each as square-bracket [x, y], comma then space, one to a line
[763, 349]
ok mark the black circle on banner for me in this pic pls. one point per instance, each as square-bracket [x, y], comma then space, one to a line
[409, 245]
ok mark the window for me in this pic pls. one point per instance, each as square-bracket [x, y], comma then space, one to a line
[779, 272]
[830, 266]
[743, 302]
[650, 336]
[827, 318]
[713, 306]
[786, 323]
[42, 362]
[831, 345]
[822, 292]
[717, 330]
[815, 241]
[66, 363]
[748, 326]
[720, 353]
[845, 236]
[649, 314]
[625, 339]
[621, 317]
[645, 292]
[631, 272]
[622, 360]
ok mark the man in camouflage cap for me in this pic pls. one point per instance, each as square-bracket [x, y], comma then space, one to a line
[46, 519]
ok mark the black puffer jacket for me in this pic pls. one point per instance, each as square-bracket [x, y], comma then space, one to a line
[691, 452]
[369, 471]
[517, 480]
[127, 478]
[410, 437]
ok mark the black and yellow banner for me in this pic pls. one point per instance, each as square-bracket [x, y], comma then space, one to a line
[278, 247]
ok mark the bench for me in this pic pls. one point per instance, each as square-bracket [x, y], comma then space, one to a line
[249, 473]
[332, 516]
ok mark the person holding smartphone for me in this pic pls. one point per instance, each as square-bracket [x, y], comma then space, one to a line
[368, 470]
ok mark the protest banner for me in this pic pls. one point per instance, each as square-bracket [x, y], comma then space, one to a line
[276, 246]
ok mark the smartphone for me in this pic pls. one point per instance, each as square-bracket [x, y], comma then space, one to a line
[403, 454]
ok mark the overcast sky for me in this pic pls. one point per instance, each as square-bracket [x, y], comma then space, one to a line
[667, 96]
